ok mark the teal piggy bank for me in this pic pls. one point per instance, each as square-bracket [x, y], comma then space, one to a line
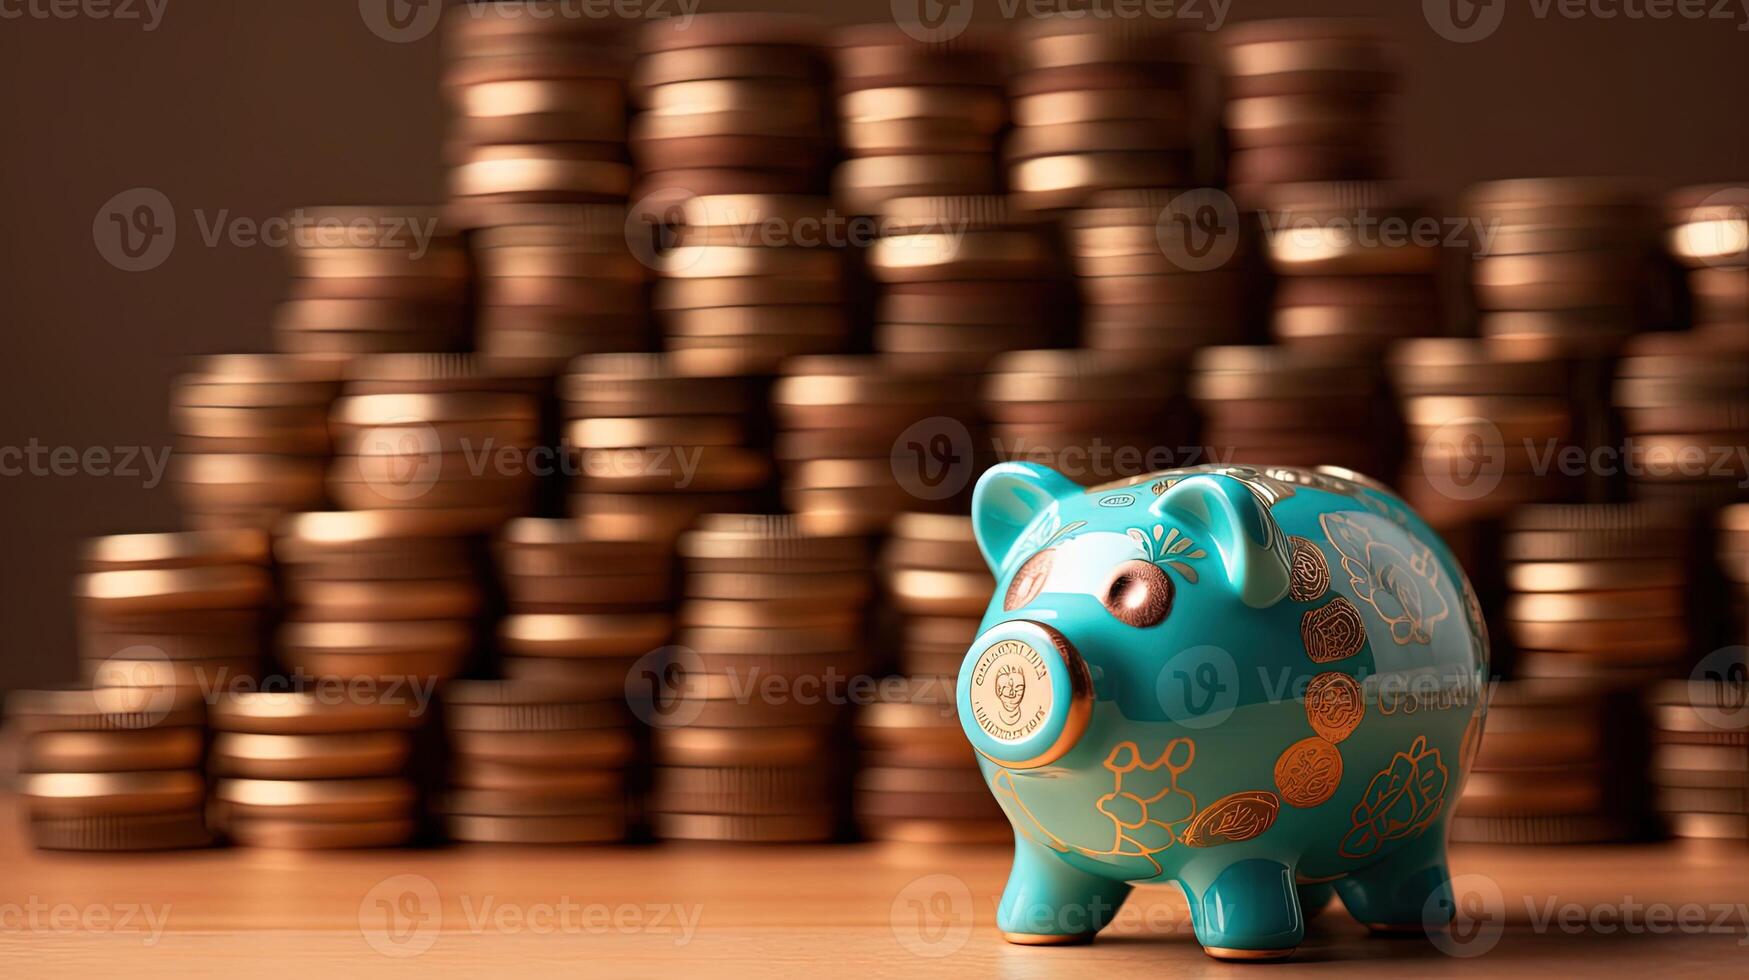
[1264, 684]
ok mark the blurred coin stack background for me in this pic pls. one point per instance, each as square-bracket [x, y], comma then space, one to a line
[1478, 422]
[1709, 235]
[919, 783]
[378, 594]
[661, 439]
[1289, 406]
[1146, 286]
[582, 609]
[730, 103]
[373, 280]
[537, 95]
[1564, 265]
[1600, 592]
[1099, 103]
[963, 278]
[111, 769]
[749, 747]
[557, 282]
[862, 438]
[753, 279]
[1358, 266]
[316, 768]
[1095, 416]
[251, 438]
[183, 611]
[1307, 100]
[1700, 756]
[915, 117]
[447, 435]
[1732, 549]
[538, 761]
[1684, 409]
[937, 584]
[1550, 770]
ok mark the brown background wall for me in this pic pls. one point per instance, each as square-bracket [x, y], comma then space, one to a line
[253, 107]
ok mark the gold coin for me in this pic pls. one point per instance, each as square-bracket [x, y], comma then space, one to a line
[339, 755]
[583, 635]
[596, 774]
[597, 829]
[300, 835]
[314, 799]
[864, 185]
[795, 828]
[110, 751]
[772, 746]
[103, 709]
[487, 753]
[121, 832]
[1595, 575]
[1047, 183]
[415, 599]
[185, 549]
[1584, 607]
[81, 794]
[318, 710]
[943, 833]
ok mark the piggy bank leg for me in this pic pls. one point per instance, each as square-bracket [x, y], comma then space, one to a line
[1409, 892]
[1249, 910]
[1315, 898]
[1049, 903]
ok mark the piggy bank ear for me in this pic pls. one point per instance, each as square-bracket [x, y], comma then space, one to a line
[1008, 497]
[1224, 512]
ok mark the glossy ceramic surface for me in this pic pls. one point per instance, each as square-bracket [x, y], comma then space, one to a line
[1261, 683]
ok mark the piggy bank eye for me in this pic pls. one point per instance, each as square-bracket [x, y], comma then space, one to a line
[1029, 581]
[1138, 593]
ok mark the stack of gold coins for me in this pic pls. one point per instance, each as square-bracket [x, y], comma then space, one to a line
[1359, 265]
[857, 440]
[560, 281]
[1599, 591]
[1732, 550]
[1307, 101]
[582, 609]
[661, 439]
[451, 434]
[1094, 416]
[538, 761]
[537, 91]
[915, 116]
[1486, 431]
[373, 280]
[1145, 285]
[1563, 263]
[730, 104]
[1288, 406]
[771, 642]
[377, 594]
[938, 583]
[1710, 235]
[1700, 756]
[753, 279]
[963, 279]
[1099, 104]
[110, 769]
[1545, 772]
[314, 768]
[919, 783]
[251, 438]
[180, 611]
[1684, 411]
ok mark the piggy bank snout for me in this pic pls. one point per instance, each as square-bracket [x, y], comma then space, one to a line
[1024, 694]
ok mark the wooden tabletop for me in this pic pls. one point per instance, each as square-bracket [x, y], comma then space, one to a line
[771, 912]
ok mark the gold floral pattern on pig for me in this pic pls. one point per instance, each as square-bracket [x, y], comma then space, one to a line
[1401, 802]
[1146, 806]
[1403, 589]
[1168, 549]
